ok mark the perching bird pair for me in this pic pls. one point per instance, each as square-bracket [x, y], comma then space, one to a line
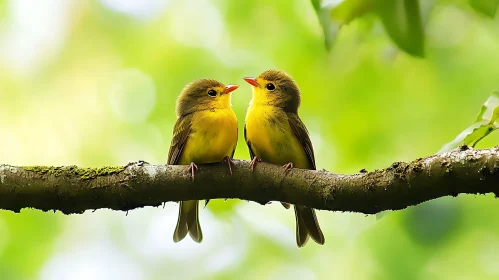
[206, 132]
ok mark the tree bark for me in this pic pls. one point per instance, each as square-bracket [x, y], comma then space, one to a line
[72, 189]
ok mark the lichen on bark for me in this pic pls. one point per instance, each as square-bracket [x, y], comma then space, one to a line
[83, 173]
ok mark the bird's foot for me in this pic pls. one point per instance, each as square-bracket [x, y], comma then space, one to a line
[192, 168]
[288, 166]
[253, 163]
[230, 162]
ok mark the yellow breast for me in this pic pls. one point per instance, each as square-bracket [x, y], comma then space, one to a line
[271, 137]
[213, 136]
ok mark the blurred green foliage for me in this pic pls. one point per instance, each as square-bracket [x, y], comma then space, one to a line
[487, 7]
[403, 20]
[94, 83]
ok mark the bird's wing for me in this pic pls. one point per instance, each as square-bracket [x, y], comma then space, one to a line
[301, 133]
[180, 134]
[237, 134]
[252, 154]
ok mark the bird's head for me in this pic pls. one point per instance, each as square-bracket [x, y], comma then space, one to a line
[275, 88]
[204, 94]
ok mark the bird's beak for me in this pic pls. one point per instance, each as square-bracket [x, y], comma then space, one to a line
[251, 81]
[230, 88]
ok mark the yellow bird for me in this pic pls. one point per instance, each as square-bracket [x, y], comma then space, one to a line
[205, 132]
[275, 134]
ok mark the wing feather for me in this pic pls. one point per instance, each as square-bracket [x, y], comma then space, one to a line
[301, 132]
[252, 154]
[181, 132]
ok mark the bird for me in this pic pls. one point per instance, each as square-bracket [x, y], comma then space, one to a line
[206, 131]
[274, 133]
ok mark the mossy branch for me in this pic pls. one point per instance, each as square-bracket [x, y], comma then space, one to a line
[73, 190]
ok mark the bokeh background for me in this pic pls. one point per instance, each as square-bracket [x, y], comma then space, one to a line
[94, 83]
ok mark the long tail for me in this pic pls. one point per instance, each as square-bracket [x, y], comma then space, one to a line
[307, 226]
[188, 221]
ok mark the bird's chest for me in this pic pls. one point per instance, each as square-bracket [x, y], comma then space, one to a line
[213, 136]
[271, 137]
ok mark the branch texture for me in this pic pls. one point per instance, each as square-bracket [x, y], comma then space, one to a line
[73, 189]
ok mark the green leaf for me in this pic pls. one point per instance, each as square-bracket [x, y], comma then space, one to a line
[316, 4]
[402, 21]
[484, 124]
[329, 28]
[348, 10]
[479, 133]
[331, 18]
[486, 7]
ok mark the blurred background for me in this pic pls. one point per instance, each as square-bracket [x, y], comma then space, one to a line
[94, 83]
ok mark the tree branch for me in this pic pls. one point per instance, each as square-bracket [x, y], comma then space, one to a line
[72, 189]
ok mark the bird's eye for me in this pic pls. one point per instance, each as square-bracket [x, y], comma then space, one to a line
[270, 86]
[212, 93]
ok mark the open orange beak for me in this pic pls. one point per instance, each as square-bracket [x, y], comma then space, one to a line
[230, 88]
[251, 81]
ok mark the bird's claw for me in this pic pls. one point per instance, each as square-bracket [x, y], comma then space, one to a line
[288, 166]
[253, 163]
[229, 161]
[192, 168]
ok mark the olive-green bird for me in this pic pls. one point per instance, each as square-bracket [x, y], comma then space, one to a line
[275, 134]
[205, 132]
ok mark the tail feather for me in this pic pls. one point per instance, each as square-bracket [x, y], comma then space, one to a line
[193, 224]
[301, 229]
[181, 229]
[188, 222]
[306, 221]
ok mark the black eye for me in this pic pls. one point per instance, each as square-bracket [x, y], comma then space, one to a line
[212, 93]
[270, 86]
